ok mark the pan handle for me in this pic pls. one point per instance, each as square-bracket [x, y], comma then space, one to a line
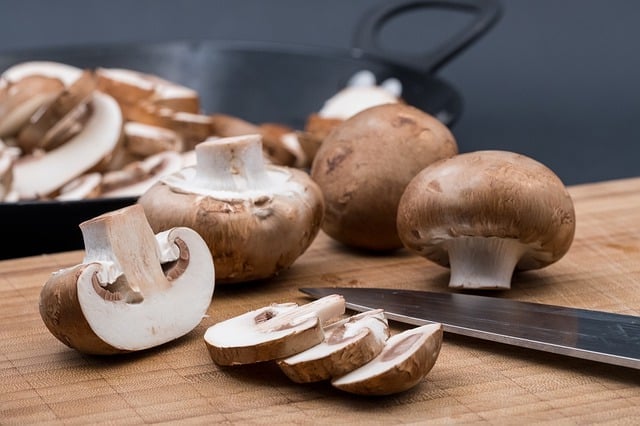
[487, 13]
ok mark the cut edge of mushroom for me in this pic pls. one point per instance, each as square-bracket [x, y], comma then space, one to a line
[349, 343]
[271, 332]
[403, 363]
[121, 298]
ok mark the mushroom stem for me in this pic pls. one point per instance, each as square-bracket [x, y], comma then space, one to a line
[325, 309]
[234, 164]
[483, 262]
[117, 238]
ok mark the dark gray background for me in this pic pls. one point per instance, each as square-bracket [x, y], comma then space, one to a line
[555, 79]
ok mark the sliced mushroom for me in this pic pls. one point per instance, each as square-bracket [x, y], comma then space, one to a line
[8, 157]
[485, 214]
[193, 128]
[68, 74]
[172, 95]
[224, 126]
[19, 100]
[274, 143]
[55, 117]
[145, 140]
[133, 290]
[257, 218]
[82, 187]
[348, 344]
[271, 332]
[136, 178]
[403, 363]
[131, 86]
[37, 176]
[125, 85]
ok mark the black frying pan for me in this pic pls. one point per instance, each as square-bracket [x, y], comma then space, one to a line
[255, 81]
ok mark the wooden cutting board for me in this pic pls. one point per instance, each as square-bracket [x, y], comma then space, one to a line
[473, 381]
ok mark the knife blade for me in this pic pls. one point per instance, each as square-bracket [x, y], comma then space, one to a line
[594, 335]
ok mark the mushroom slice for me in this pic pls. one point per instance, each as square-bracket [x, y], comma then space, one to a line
[274, 143]
[177, 97]
[125, 85]
[257, 218]
[271, 332]
[133, 290]
[137, 177]
[348, 344]
[52, 119]
[82, 187]
[224, 126]
[8, 157]
[146, 140]
[19, 100]
[485, 214]
[68, 74]
[36, 176]
[405, 360]
[193, 128]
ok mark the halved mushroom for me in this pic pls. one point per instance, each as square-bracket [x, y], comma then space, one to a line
[41, 175]
[403, 363]
[256, 218]
[19, 100]
[348, 344]
[133, 290]
[485, 214]
[271, 332]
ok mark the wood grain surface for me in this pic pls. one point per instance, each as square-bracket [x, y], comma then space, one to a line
[43, 381]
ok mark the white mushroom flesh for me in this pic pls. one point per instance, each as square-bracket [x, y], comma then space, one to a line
[36, 177]
[237, 168]
[160, 308]
[394, 363]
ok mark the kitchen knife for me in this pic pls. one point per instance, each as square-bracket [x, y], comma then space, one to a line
[593, 335]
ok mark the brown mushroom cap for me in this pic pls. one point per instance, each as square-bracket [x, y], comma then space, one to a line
[364, 165]
[488, 194]
[348, 344]
[134, 290]
[405, 361]
[256, 218]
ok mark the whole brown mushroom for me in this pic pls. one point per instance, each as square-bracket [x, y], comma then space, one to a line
[257, 219]
[485, 214]
[364, 165]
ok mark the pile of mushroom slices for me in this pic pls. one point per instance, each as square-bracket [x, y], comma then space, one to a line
[69, 133]
[315, 342]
